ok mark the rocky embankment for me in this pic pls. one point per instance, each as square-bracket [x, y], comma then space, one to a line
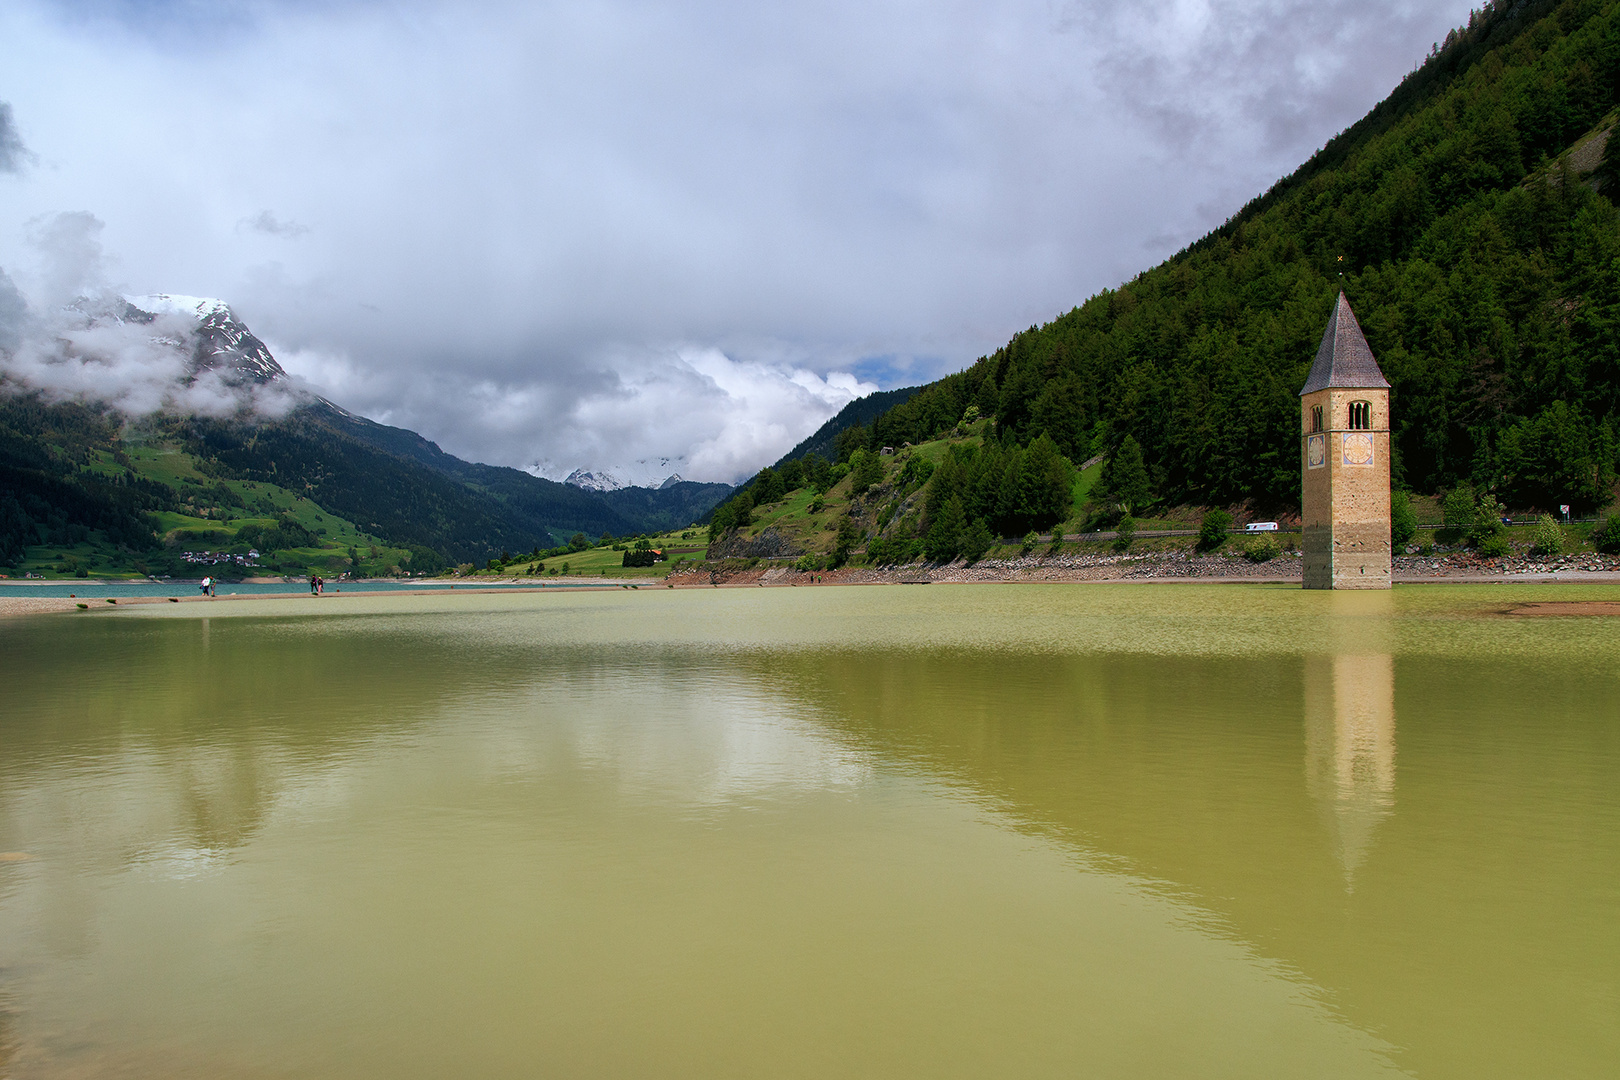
[1163, 566]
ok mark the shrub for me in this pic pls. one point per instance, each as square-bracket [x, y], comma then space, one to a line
[1212, 532]
[893, 551]
[1487, 529]
[1458, 509]
[1057, 541]
[1124, 534]
[1030, 540]
[1547, 538]
[1262, 549]
[1402, 521]
[1606, 536]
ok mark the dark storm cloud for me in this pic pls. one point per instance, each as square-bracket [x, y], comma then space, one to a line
[591, 232]
[13, 154]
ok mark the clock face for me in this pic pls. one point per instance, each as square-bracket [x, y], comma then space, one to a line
[1316, 451]
[1358, 448]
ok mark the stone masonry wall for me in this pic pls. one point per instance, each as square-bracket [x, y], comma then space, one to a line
[1345, 519]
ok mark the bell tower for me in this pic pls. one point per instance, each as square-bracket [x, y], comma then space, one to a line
[1344, 452]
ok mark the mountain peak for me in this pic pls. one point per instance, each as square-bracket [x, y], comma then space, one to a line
[600, 480]
[223, 341]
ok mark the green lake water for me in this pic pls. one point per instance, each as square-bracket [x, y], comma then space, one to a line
[954, 831]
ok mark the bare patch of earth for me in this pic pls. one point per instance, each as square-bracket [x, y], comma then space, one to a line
[1567, 607]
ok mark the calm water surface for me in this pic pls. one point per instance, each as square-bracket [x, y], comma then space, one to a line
[1132, 831]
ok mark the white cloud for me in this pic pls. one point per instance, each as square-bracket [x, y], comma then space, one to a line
[511, 208]
[75, 343]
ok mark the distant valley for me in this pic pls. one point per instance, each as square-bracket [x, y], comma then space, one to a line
[87, 490]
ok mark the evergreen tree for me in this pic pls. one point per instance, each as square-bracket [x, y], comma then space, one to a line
[1124, 486]
[865, 470]
[816, 469]
[1212, 531]
[848, 536]
[944, 540]
[1046, 487]
[976, 540]
[768, 487]
[1124, 534]
[852, 439]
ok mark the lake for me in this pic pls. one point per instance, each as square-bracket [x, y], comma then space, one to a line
[955, 831]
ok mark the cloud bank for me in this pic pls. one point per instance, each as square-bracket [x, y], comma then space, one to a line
[605, 230]
[79, 341]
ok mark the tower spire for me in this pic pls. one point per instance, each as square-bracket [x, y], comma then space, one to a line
[1344, 359]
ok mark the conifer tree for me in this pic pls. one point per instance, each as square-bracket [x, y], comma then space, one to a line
[1124, 486]
[976, 540]
[944, 539]
[865, 470]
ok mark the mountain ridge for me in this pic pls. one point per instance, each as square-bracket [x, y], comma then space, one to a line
[394, 483]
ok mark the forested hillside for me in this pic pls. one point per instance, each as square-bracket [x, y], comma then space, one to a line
[823, 442]
[76, 479]
[1479, 254]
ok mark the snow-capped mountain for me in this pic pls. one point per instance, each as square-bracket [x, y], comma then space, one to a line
[222, 340]
[594, 481]
[656, 473]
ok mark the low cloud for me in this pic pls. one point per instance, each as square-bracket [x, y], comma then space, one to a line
[718, 416]
[266, 222]
[79, 342]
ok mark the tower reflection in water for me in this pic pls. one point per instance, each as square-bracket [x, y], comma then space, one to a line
[1350, 733]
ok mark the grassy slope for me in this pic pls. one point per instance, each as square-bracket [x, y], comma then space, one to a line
[884, 510]
[202, 525]
[604, 560]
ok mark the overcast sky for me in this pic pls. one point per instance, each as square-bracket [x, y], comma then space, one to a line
[587, 233]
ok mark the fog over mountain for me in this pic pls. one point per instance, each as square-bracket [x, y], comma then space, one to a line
[580, 236]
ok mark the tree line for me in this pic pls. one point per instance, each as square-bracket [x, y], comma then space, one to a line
[1484, 271]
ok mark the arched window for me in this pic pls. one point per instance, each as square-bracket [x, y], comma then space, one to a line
[1360, 416]
[1316, 419]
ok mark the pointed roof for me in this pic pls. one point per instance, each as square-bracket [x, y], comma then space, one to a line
[1344, 361]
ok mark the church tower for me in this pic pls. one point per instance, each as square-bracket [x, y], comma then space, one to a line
[1345, 461]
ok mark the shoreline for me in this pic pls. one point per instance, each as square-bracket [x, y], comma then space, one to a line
[1157, 568]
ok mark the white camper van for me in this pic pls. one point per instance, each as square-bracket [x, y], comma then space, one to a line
[1260, 526]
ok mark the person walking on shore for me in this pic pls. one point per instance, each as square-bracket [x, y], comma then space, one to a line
[312, 584]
